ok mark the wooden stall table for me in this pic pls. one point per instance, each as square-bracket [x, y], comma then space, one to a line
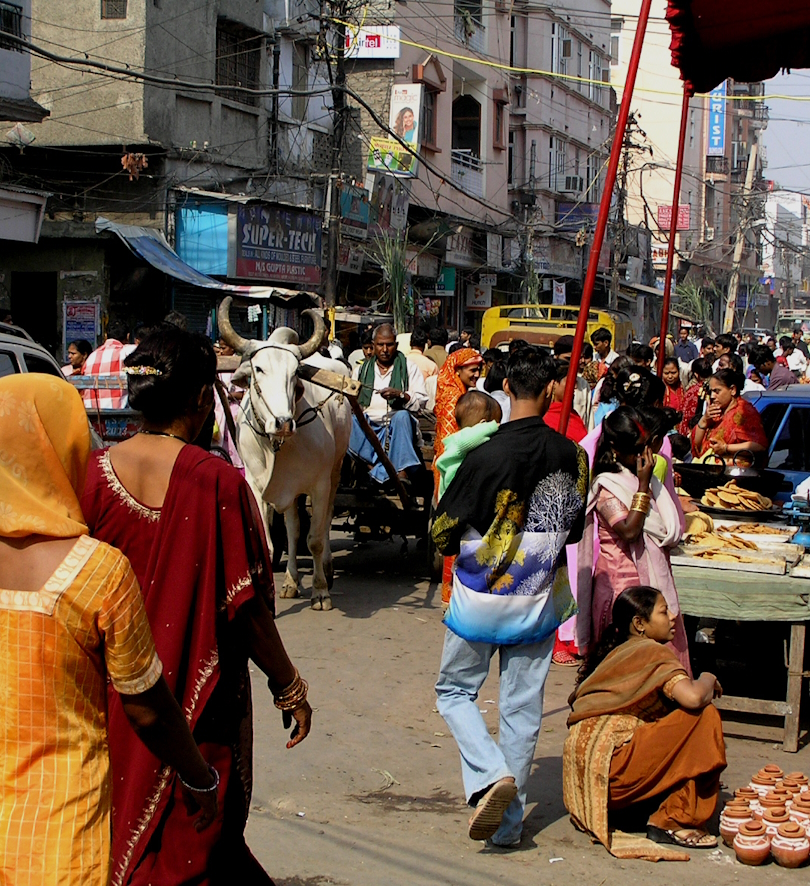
[738, 596]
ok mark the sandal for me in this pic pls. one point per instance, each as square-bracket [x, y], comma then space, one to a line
[564, 659]
[488, 814]
[702, 840]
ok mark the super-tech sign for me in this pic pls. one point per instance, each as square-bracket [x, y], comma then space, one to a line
[275, 244]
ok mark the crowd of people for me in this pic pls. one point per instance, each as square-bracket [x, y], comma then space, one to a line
[146, 563]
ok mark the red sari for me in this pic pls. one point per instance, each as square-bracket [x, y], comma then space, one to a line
[198, 559]
[691, 399]
[674, 398]
[740, 424]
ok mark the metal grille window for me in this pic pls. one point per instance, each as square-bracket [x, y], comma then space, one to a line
[10, 23]
[113, 8]
[238, 61]
[428, 122]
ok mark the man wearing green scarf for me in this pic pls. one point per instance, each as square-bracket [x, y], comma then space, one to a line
[393, 392]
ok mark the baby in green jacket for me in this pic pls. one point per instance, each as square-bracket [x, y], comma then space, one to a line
[478, 416]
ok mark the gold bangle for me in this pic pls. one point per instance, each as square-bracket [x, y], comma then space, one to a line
[293, 696]
[644, 511]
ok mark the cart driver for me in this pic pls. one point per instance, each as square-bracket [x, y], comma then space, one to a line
[393, 392]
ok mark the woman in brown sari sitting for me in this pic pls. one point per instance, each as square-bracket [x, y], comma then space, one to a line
[642, 730]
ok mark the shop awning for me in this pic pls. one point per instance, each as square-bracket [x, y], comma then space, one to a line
[748, 40]
[150, 245]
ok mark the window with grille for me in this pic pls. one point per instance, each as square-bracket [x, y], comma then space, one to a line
[113, 8]
[556, 163]
[10, 23]
[238, 61]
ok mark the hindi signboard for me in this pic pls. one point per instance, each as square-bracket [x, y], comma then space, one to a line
[79, 321]
[665, 217]
[274, 243]
[354, 211]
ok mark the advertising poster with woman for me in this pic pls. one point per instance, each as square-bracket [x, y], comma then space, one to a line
[388, 154]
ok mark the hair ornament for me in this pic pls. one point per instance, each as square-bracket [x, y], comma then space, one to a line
[634, 381]
[141, 370]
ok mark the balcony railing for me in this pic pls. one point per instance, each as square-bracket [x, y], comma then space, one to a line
[467, 171]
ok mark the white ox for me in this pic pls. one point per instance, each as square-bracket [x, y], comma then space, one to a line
[292, 436]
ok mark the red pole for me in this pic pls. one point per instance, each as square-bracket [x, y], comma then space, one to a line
[673, 227]
[604, 209]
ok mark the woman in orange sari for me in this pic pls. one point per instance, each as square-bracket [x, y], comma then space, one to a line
[460, 372]
[731, 424]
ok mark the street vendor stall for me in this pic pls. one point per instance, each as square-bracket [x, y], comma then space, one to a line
[709, 593]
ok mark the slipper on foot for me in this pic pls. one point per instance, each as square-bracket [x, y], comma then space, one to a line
[564, 659]
[659, 835]
[490, 809]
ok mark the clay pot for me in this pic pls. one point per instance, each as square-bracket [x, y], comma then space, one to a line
[730, 820]
[800, 813]
[752, 843]
[791, 785]
[771, 769]
[790, 846]
[745, 794]
[772, 818]
[769, 801]
[762, 784]
[798, 777]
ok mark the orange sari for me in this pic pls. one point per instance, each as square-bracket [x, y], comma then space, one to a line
[449, 390]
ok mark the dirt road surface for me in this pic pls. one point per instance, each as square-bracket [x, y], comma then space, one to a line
[374, 797]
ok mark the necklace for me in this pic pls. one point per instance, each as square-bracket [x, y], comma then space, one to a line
[162, 434]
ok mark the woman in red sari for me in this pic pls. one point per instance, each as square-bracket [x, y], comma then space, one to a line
[671, 377]
[190, 527]
[693, 399]
[460, 372]
[731, 425]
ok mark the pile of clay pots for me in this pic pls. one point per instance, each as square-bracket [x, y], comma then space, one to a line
[769, 817]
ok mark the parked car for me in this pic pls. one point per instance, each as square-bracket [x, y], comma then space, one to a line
[19, 353]
[786, 418]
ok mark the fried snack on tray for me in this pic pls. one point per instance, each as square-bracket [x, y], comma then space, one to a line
[723, 557]
[734, 498]
[720, 539]
[763, 529]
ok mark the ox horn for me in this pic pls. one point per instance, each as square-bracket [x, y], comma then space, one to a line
[308, 348]
[226, 331]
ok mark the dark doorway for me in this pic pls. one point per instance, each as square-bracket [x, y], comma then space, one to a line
[33, 306]
[467, 125]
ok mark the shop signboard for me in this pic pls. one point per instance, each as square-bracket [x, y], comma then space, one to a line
[351, 257]
[79, 320]
[665, 217]
[716, 132]
[388, 209]
[572, 216]
[558, 293]
[446, 282]
[479, 296]
[460, 251]
[275, 244]
[377, 41]
[354, 210]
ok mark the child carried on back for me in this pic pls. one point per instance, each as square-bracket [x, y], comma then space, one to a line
[478, 416]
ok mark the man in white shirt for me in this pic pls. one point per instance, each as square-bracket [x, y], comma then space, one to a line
[601, 340]
[417, 356]
[393, 392]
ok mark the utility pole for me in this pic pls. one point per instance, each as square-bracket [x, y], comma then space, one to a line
[734, 280]
[528, 201]
[621, 198]
[338, 131]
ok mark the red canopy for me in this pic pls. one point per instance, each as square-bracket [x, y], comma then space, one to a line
[746, 40]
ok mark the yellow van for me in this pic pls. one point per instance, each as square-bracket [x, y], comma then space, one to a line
[544, 324]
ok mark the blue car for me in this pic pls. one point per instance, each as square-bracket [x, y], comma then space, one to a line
[786, 418]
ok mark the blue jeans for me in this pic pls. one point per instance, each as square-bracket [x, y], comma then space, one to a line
[398, 439]
[523, 672]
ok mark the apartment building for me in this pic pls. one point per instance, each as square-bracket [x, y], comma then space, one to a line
[560, 134]
[785, 242]
[164, 151]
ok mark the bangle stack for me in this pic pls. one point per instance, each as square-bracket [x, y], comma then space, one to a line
[293, 696]
[210, 789]
[641, 503]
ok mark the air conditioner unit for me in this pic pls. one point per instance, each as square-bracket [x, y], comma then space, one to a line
[710, 233]
[573, 183]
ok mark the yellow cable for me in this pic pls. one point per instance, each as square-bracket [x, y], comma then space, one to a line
[601, 83]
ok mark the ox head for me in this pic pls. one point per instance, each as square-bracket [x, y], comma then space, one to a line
[269, 369]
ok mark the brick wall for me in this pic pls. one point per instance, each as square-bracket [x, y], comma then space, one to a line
[372, 80]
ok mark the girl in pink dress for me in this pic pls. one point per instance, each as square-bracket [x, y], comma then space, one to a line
[635, 534]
